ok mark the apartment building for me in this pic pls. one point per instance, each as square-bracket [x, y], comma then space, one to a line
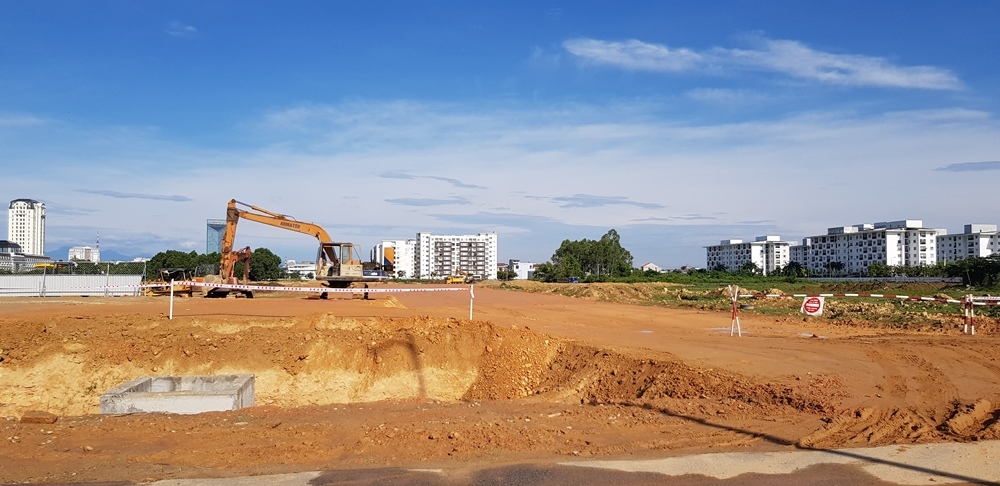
[854, 248]
[305, 270]
[26, 225]
[397, 256]
[440, 255]
[84, 254]
[978, 240]
[768, 253]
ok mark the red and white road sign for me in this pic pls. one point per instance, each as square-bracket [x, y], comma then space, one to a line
[813, 306]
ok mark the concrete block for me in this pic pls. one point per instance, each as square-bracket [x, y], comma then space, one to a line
[180, 394]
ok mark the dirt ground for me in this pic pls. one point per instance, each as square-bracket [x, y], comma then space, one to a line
[406, 380]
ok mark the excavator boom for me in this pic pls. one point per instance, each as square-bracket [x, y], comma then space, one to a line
[336, 262]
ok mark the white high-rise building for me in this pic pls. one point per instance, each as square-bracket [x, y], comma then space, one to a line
[436, 256]
[442, 255]
[84, 254]
[854, 248]
[397, 255]
[769, 253]
[978, 240]
[26, 225]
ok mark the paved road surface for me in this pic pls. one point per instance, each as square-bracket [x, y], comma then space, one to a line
[923, 464]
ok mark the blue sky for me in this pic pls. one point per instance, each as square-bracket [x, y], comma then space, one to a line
[676, 123]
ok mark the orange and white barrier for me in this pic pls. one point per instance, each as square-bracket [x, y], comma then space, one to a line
[812, 304]
[278, 288]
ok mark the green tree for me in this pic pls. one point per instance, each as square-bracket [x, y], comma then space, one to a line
[170, 259]
[834, 268]
[879, 269]
[977, 271]
[793, 269]
[506, 274]
[601, 258]
[264, 265]
[750, 268]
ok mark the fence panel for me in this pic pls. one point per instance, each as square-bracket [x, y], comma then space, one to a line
[69, 285]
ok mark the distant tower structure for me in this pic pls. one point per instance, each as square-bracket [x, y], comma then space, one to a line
[26, 225]
[215, 228]
[97, 250]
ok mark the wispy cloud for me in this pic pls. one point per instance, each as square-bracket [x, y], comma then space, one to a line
[971, 166]
[455, 182]
[636, 55]
[724, 96]
[58, 209]
[135, 195]
[786, 57]
[591, 201]
[178, 29]
[419, 202]
[405, 176]
[20, 121]
[670, 219]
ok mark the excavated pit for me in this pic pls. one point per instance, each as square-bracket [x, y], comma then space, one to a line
[64, 364]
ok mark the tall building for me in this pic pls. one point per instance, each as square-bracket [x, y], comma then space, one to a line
[26, 225]
[854, 248]
[436, 256]
[441, 255]
[215, 228]
[84, 254]
[978, 240]
[397, 255]
[769, 253]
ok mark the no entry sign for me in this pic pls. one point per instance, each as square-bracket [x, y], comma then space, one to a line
[813, 306]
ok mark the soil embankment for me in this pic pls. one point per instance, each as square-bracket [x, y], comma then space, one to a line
[404, 381]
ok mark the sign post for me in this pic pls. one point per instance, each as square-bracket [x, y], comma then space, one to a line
[812, 306]
[734, 327]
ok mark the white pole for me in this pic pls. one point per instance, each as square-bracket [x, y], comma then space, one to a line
[171, 316]
[472, 298]
[107, 279]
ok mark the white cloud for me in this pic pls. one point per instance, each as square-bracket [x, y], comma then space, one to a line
[725, 96]
[345, 166]
[178, 29]
[14, 121]
[786, 57]
[633, 54]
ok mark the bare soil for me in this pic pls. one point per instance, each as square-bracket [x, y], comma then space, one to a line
[406, 380]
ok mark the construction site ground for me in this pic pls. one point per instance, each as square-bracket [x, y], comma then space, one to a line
[408, 381]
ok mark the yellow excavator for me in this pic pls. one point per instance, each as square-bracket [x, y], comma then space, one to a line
[460, 277]
[337, 263]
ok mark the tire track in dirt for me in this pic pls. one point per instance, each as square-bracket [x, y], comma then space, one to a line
[920, 404]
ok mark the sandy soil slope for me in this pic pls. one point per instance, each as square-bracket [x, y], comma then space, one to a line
[407, 380]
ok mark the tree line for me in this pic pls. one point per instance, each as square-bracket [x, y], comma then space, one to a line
[264, 264]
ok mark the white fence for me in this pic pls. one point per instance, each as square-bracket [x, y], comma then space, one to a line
[69, 285]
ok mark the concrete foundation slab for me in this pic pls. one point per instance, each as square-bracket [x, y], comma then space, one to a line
[180, 394]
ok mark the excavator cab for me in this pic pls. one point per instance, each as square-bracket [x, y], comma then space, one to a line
[339, 260]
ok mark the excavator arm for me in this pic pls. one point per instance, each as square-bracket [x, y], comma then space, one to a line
[336, 262]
